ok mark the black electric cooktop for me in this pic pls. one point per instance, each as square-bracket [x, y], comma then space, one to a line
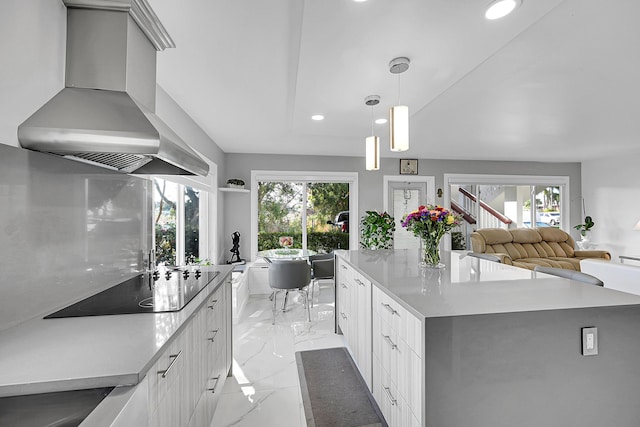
[164, 290]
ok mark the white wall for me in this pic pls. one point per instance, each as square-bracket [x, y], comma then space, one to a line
[611, 190]
[192, 134]
[33, 38]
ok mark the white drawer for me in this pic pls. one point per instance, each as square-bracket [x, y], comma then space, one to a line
[344, 306]
[401, 363]
[359, 279]
[394, 408]
[399, 319]
[165, 371]
[344, 271]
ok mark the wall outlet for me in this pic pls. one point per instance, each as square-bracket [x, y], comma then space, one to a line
[589, 341]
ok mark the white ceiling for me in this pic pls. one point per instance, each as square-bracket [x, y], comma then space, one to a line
[556, 80]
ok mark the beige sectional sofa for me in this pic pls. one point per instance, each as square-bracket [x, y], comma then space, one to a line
[526, 247]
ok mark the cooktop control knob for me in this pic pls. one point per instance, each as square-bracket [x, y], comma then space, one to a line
[185, 274]
[198, 274]
[156, 275]
[167, 275]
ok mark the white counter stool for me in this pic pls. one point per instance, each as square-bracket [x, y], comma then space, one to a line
[484, 256]
[287, 275]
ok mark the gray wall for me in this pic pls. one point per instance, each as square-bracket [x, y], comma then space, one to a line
[526, 369]
[67, 231]
[237, 215]
[33, 35]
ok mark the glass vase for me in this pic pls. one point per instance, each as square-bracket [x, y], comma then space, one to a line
[430, 253]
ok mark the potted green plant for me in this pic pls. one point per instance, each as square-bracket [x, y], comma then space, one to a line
[584, 228]
[376, 230]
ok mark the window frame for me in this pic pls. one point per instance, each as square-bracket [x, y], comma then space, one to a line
[303, 177]
[208, 213]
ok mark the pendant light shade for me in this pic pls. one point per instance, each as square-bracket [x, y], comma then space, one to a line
[372, 161]
[399, 128]
[399, 115]
[372, 143]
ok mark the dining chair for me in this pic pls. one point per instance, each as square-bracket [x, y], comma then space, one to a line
[570, 274]
[288, 275]
[322, 268]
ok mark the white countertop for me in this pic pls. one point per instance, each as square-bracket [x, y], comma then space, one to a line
[44, 355]
[471, 286]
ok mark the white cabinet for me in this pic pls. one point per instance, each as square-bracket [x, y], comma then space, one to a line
[386, 341]
[258, 276]
[397, 361]
[165, 383]
[185, 382]
[354, 315]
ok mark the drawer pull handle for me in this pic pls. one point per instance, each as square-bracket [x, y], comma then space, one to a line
[393, 401]
[213, 390]
[213, 304]
[388, 307]
[344, 267]
[344, 286]
[166, 371]
[215, 333]
[344, 316]
[391, 343]
[359, 282]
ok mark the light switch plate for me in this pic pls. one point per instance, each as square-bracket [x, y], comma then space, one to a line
[589, 341]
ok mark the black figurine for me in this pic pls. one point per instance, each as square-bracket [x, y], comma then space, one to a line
[235, 250]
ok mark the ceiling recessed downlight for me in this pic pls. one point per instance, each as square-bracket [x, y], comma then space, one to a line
[501, 8]
[317, 117]
[381, 121]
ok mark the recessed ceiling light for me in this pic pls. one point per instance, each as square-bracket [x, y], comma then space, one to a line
[317, 117]
[359, 1]
[381, 121]
[501, 8]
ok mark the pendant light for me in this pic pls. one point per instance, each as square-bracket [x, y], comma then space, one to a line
[372, 143]
[399, 115]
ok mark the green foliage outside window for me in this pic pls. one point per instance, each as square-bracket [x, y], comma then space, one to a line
[316, 241]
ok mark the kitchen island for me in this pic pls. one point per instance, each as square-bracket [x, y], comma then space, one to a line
[182, 350]
[485, 344]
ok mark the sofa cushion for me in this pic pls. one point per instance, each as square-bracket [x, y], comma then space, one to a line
[490, 240]
[494, 236]
[525, 235]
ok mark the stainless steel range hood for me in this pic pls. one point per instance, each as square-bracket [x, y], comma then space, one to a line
[105, 113]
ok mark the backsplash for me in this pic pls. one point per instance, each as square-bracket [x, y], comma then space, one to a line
[67, 230]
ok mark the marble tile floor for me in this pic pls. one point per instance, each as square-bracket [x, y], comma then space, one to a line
[264, 390]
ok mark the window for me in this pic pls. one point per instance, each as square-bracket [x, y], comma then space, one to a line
[311, 215]
[180, 219]
[310, 207]
[508, 201]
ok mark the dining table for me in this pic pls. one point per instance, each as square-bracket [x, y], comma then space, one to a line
[286, 253]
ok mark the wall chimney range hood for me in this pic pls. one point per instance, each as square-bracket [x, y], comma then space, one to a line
[105, 115]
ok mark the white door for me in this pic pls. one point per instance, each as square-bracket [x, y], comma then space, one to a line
[402, 198]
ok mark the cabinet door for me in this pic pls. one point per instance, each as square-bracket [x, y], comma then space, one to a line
[361, 312]
[344, 308]
[169, 373]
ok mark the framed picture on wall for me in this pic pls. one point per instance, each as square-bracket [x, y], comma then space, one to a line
[408, 166]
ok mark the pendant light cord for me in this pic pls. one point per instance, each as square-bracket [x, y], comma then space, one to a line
[372, 120]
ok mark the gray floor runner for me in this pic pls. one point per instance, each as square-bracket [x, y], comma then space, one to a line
[333, 392]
